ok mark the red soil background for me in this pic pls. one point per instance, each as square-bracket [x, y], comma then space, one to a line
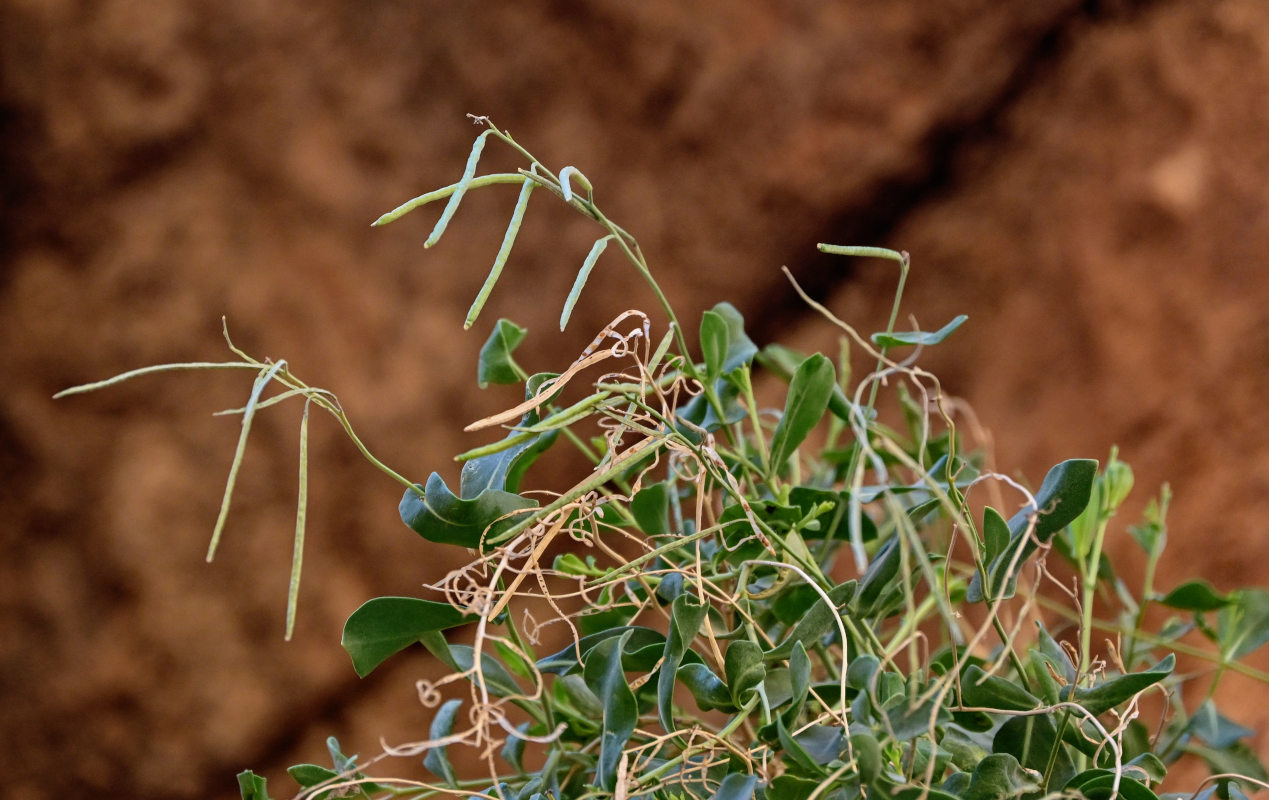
[1087, 180]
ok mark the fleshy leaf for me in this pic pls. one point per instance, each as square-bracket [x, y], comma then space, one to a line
[713, 344]
[496, 364]
[1108, 694]
[795, 754]
[1214, 728]
[686, 615]
[436, 759]
[503, 469]
[252, 786]
[701, 414]
[707, 688]
[1098, 784]
[1243, 625]
[834, 523]
[879, 575]
[819, 619]
[568, 658]
[513, 750]
[901, 338]
[1062, 497]
[1054, 652]
[498, 678]
[809, 390]
[991, 691]
[651, 509]
[999, 776]
[783, 361]
[440, 516]
[604, 676]
[1195, 596]
[995, 534]
[744, 669]
[386, 625]
[908, 719]
[736, 786]
[740, 348]
[1032, 740]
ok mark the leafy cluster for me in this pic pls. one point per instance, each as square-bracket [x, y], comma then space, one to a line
[828, 598]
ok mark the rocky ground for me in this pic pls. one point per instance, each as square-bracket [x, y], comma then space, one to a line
[1085, 179]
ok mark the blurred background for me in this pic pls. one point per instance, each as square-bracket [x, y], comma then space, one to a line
[1087, 180]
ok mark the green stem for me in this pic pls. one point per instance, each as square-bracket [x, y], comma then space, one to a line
[1088, 576]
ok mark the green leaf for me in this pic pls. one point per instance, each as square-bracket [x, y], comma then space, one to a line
[742, 664]
[496, 364]
[651, 509]
[709, 692]
[1055, 653]
[604, 676]
[436, 759]
[580, 702]
[1032, 740]
[1151, 767]
[791, 787]
[1195, 596]
[1214, 728]
[995, 534]
[799, 682]
[736, 786]
[1152, 533]
[797, 755]
[880, 574]
[513, 750]
[1083, 529]
[713, 344]
[440, 516]
[701, 413]
[818, 620]
[252, 786]
[1000, 776]
[1063, 495]
[1108, 694]
[498, 679]
[386, 625]
[909, 718]
[992, 691]
[901, 338]
[570, 657]
[835, 522]
[740, 348]
[1099, 784]
[1236, 759]
[341, 762]
[965, 749]
[783, 361]
[860, 671]
[867, 756]
[1041, 670]
[686, 616]
[307, 775]
[809, 390]
[1243, 625]
[502, 470]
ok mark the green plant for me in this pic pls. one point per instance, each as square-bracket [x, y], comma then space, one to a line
[813, 601]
